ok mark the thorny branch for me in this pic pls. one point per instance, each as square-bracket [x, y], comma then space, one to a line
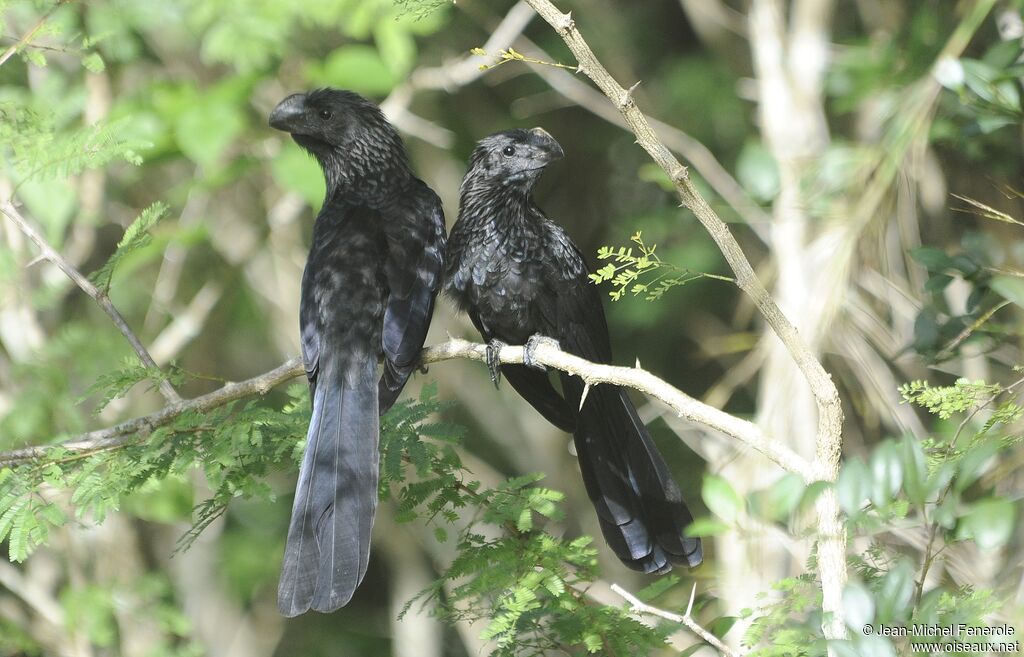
[685, 619]
[546, 353]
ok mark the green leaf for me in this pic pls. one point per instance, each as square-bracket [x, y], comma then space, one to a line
[721, 498]
[859, 605]
[853, 486]
[893, 598]
[778, 500]
[293, 169]
[931, 258]
[915, 470]
[971, 465]
[593, 643]
[721, 625]
[359, 68]
[811, 495]
[706, 527]
[989, 523]
[659, 586]
[396, 45]
[1010, 288]
[886, 473]
[94, 63]
[205, 129]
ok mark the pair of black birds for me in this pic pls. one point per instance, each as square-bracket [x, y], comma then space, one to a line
[378, 259]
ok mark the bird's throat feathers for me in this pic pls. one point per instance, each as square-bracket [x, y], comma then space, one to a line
[368, 169]
[482, 200]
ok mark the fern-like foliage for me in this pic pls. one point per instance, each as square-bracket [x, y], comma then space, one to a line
[510, 570]
[526, 583]
[135, 237]
[633, 271]
[37, 149]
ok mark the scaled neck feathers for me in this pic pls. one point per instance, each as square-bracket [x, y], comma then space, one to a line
[369, 170]
[482, 199]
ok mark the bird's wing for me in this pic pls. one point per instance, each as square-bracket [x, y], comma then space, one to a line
[572, 312]
[415, 268]
[310, 337]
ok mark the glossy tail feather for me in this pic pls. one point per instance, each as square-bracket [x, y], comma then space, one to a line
[328, 545]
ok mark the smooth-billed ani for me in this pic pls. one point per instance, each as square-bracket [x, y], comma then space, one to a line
[519, 276]
[374, 269]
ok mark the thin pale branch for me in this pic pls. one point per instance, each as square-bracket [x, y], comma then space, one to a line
[545, 353]
[690, 149]
[23, 41]
[685, 619]
[99, 296]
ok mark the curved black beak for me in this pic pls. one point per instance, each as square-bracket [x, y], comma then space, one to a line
[547, 145]
[288, 113]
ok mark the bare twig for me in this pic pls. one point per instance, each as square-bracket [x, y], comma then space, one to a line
[685, 619]
[545, 353]
[101, 298]
[23, 41]
[830, 530]
[690, 149]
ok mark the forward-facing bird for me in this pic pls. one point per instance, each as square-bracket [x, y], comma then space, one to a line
[519, 276]
[374, 269]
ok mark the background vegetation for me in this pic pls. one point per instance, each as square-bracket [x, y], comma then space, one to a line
[866, 154]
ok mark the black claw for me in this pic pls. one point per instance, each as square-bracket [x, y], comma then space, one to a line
[529, 351]
[493, 362]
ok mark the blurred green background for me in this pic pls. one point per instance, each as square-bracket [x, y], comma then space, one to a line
[877, 148]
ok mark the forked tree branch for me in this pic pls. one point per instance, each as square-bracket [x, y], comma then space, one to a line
[831, 532]
[47, 252]
[545, 353]
[686, 620]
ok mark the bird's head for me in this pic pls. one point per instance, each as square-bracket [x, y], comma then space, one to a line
[513, 158]
[345, 132]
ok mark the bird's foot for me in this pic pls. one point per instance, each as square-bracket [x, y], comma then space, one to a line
[423, 369]
[493, 362]
[530, 350]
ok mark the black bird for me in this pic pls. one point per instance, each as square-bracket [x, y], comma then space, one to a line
[519, 277]
[374, 269]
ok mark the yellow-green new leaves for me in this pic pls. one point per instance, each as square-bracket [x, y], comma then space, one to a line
[629, 270]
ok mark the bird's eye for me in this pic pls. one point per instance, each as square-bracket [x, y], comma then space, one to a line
[325, 114]
[509, 151]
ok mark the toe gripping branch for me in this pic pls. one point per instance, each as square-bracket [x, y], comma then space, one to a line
[530, 350]
[493, 361]
[529, 355]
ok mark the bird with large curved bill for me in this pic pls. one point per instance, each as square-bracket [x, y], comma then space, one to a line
[522, 280]
[374, 269]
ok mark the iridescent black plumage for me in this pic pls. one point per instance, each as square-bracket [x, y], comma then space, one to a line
[517, 274]
[368, 291]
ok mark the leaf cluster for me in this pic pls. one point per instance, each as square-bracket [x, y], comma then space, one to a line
[631, 272]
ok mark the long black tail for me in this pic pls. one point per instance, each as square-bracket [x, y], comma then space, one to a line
[640, 508]
[335, 498]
